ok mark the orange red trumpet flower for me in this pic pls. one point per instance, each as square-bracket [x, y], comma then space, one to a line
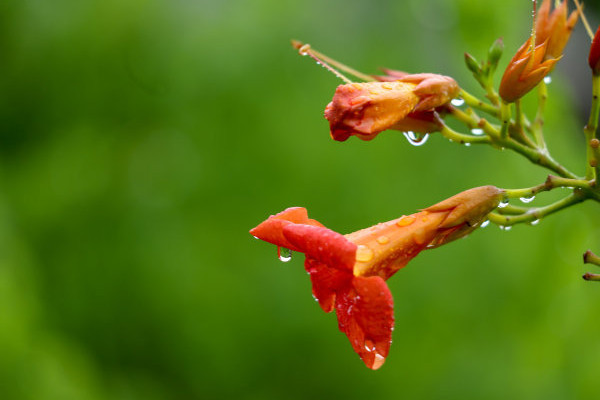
[348, 272]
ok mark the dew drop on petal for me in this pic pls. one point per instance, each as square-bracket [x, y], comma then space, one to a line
[369, 345]
[379, 360]
[485, 223]
[547, 80]
[364, 253]
[527, 199]
[477, 131]
[414, 139]
[406, 220]
[284, 254]
[255, 237]
[420, 236]
[383, 240]
[457, 102]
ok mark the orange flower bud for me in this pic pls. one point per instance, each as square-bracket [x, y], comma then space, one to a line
[554, 27]
[348, 272]
[526, 69]
[366, 109]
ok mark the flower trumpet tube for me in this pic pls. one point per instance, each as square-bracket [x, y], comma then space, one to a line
[402, 102]
[348, 272]
[526, 69]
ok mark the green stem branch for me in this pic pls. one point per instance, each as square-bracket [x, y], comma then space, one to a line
[536, 213]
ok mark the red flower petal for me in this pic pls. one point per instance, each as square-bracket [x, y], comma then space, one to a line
[326, 282]
[322, 244]
[366, 315]
[271, 230]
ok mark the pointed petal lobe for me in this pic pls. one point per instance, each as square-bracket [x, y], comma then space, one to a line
[366, 315]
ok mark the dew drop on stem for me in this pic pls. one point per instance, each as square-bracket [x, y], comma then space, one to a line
[416, 139]
[457, 102]
[527, 199]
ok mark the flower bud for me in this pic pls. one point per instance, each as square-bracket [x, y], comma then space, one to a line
[594, 57]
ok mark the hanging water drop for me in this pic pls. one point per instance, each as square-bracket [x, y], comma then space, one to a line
[505, 227]
[485, 223]
[477, 131]
[535, 222]
[416, 139]
[547, 80]
[457, 102]
[503, 204]
[527, 199]
[284, 254]
[467, 144]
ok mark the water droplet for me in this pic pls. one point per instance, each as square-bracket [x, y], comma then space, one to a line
[383, 240]
[505, 227]
[416, 139]
[369, 345]
[547, 80]
[485, 223]
[527, 199]
[364, 253]
[477, 131]
[284, 254]
[468, 144]
[379, 360]
[537, 221]
[255, 237]
[503, 204]
[457, 102]
[304, 50]
[406, 220]
[420, 236]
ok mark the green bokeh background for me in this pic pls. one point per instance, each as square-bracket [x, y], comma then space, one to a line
[141, 140]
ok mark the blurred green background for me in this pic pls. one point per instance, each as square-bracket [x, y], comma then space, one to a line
[141, 140]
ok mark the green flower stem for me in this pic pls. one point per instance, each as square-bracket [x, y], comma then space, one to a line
[510, 209]
[590, 130]
[536, 213]
[505, 116]
[591, 277]
[478, 104]
[552, 182]
[537, 156]
[519, 125]
[470, 120]
[538, 123]
[461, 138]
[591, 258]
[491, 93]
